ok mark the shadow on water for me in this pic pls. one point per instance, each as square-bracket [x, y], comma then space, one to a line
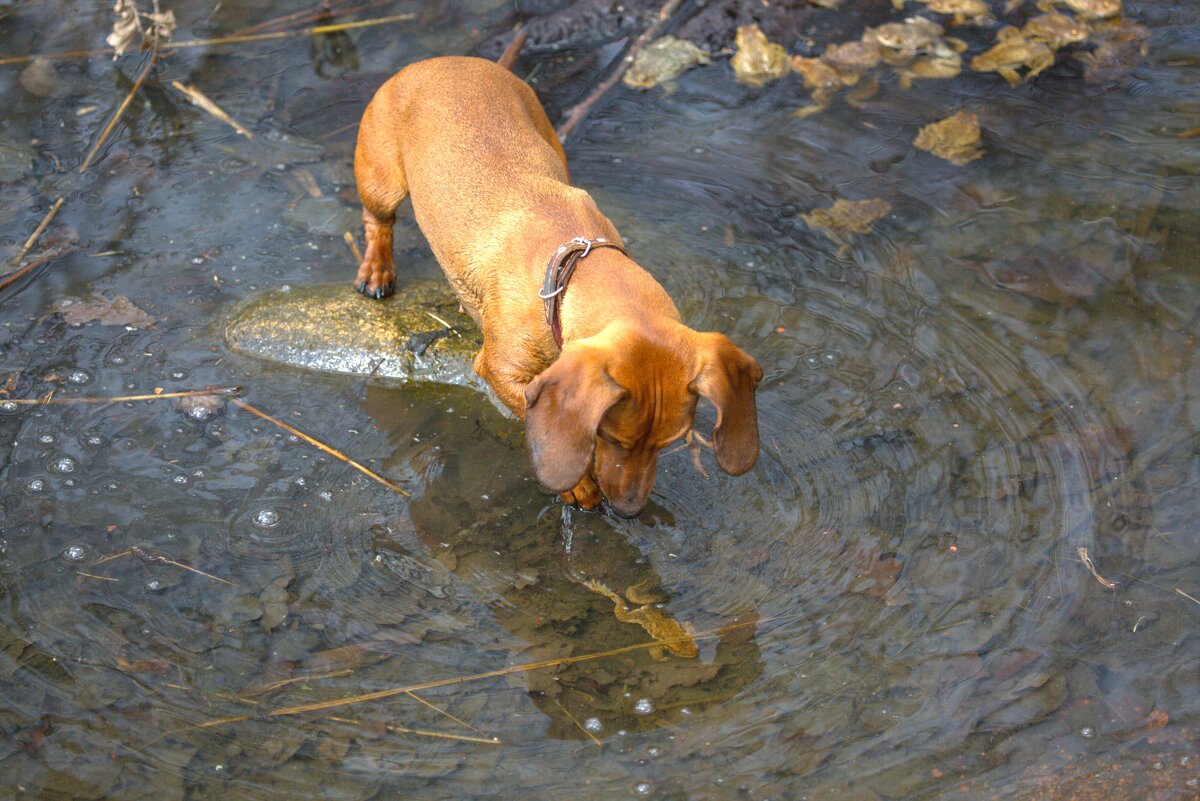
[892, 604]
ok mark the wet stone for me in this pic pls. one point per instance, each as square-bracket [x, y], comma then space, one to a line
[335, 329]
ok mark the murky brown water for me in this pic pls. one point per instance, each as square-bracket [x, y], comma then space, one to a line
[890, 606]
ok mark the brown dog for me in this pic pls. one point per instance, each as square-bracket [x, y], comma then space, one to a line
[614, 375]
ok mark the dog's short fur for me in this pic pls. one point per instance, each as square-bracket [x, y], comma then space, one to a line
[472, 147]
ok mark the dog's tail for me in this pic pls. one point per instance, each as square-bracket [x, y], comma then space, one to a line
[511, 53]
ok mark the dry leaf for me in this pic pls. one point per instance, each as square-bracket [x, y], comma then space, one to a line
[162, 25]
[106, 311]
[126, 29]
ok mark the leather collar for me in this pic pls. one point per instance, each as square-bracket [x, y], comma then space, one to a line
[558, 272]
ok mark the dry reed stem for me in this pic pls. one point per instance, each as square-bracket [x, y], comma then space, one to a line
[575, 114]
[323, 447]
[202, 100]
[310, 15]
[319, 29]
[574, 720]
[508, 671]
[94, 576]
[42, 226]
[1087, 562]
[1185, 595]
[440, 711]
[49, 255]
[440, 735]
[275, 685]
[350, 243]
[451, 328]
[295, 710]
[190, 393]
[112, 123]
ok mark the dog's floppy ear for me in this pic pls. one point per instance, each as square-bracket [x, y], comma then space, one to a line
[728, 376]
[564, 405]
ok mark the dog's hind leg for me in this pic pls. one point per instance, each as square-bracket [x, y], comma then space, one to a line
[382, 187]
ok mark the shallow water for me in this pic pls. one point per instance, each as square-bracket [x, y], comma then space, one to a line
[891, 605]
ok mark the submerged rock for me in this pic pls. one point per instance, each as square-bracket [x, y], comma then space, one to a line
[335, 329]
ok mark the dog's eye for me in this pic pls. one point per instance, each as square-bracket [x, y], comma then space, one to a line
[611, 440]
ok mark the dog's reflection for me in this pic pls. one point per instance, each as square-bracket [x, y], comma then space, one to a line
[568, 585]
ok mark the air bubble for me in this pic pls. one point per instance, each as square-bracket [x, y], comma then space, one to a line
[266, 518]
[643, 788]
[593, 725]
[181, 480]
[1087, 731]
[79, 377]
[179, 375]
[154, 585]
[46, 439]
[8, 406]
[35, 485]
[643, 706]
[74, 553]
[64, 464]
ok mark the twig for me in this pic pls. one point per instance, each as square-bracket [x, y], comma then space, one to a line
[427, 733]
[202, 100]
[350, 243]
[1087, 562]
[575, 720]
[108, 129]
[508, 671]
[574, 115]
[452, 329]
[319, 29]
[322, 446]
[93, 575]
[275, 685]
[1185, 595]
[49, 401]
[42, 226]
[440, 711]
[47, 256]
[311, 15]
[146, 556]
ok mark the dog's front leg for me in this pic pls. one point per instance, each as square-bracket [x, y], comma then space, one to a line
[585, 495]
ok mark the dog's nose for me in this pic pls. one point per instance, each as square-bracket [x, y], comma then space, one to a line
[627, 508]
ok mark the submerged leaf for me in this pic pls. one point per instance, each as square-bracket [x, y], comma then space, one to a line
[106, 311]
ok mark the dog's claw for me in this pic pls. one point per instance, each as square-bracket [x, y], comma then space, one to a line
[379, 292]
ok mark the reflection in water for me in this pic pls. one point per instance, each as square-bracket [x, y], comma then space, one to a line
[560, 600]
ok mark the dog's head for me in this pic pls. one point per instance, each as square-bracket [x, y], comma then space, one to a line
[612, 401]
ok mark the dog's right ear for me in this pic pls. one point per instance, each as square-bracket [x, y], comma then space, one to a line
[564, 405]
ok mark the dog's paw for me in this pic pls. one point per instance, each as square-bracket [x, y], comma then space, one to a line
[585, 495]
[376, 278]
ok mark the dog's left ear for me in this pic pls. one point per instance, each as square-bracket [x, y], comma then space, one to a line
[564, 405]
[728, 376]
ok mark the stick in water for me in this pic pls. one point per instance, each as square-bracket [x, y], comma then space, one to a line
[108, 129]
[42, 226]
[202, 100]
[322, 446]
